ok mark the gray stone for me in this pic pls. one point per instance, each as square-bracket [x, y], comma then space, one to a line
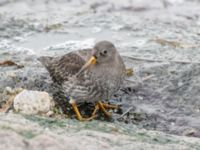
[33, 102]
[18, 132]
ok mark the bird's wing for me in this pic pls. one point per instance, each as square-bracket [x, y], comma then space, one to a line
[61, 68]
[84, 54]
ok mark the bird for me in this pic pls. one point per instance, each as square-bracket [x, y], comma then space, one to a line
[88, 75]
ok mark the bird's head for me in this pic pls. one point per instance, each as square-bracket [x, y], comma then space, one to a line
[104, 52]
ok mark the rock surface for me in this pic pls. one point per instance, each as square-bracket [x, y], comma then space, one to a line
[163, 49]
[39, 133]
[33, 102]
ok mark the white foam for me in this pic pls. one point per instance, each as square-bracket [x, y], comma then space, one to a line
[72, 45]
[11, 48]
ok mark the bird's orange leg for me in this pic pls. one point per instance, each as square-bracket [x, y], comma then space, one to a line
[110, 106]
[104, 106]
[96, 108]
[78, 114]
[99, 105]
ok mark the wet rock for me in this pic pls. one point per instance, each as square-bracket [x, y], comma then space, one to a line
[33, 102]
[190, 132]
[7, 97]
[10, 91]
[163, 49]
[22, 132]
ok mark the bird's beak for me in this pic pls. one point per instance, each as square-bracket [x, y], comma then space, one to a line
[90, 62]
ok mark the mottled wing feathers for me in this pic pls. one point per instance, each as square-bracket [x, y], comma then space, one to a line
[61, 68]
[69, 64]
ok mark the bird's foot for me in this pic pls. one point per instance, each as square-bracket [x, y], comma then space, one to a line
[99, 105]
[78, 114]
[104, 106]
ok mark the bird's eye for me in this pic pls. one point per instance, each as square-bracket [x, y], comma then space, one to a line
[104, 52]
